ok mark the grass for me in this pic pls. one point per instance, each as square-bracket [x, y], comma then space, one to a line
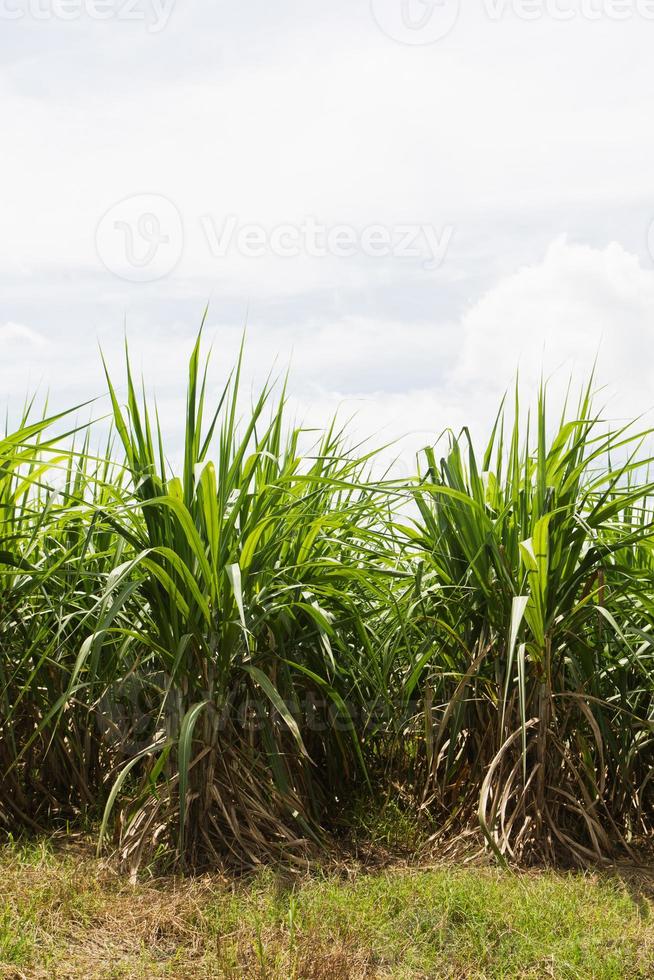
[67, 915]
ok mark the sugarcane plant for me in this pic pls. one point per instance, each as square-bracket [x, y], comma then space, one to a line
[535, 558]
[213, 655]
[255, 577]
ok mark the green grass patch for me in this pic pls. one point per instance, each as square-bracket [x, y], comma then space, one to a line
[66, 915]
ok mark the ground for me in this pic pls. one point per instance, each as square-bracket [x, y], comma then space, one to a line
[66, 915]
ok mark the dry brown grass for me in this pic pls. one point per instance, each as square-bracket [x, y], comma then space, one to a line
[68, 916]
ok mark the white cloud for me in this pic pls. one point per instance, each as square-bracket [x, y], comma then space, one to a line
[17, 336]
[348, 126]
[554, 319]
[577, 305]
[512, 132]
[400, 382]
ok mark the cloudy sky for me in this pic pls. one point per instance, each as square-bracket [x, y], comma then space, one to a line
[409, 198]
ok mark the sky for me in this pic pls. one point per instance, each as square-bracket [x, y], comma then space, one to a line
[405, 200]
